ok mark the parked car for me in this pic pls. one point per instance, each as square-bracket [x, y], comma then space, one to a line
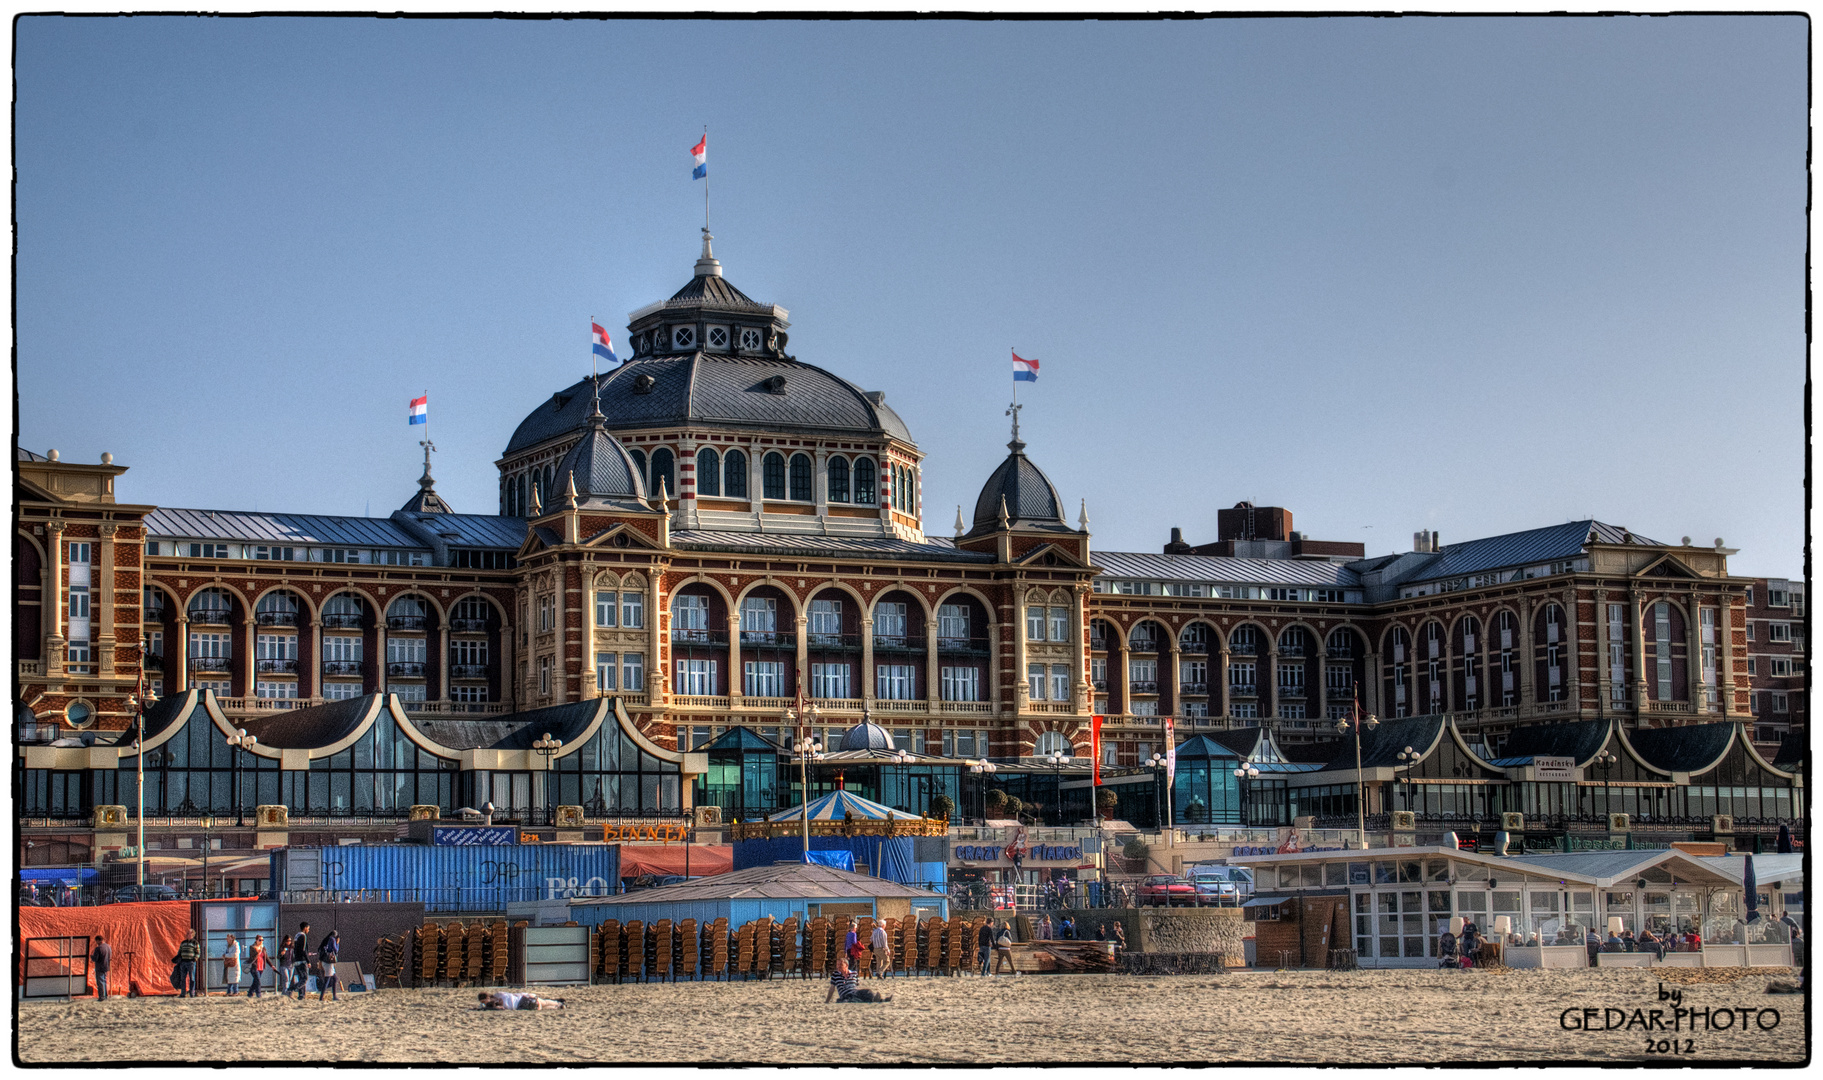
[1167, 890]
[134, 894]
[1221, 885]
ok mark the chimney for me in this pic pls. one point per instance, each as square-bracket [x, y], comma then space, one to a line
[1421, 540]
[1177, 545]
[1436, 541]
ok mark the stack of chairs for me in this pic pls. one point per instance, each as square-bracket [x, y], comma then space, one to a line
[789, 959]
[960, 942]
[743, 951]
[905, 946]
[934, 933]
[455, 943]
[607, 950]
[429, 944]
[658, 951]
[495, 957]
[762, 946]
[476, 961]
[632, 949]
[715, 948]
[816, 948]
[689, 948]
[388, 961]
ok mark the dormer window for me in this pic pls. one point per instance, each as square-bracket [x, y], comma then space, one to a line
[683, 337]
[641, 344]
[718, 338]
[750, 340]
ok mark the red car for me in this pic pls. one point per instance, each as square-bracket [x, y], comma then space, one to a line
[1167, 890]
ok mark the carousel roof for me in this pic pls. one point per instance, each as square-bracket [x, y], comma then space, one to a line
[838, 805]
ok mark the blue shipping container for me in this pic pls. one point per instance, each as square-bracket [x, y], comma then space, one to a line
[447, 878]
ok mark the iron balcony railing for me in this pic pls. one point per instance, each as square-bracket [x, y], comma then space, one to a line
[846, 642]
[1243, 648]
[1144, 645]
[699, 637]
[211, 616]
[342, 621]
[1195, 687]
[210, 663]
[970, 645]
[1291, 650]
[468, 626]
[153, 614]
[276, 667]
[407, 668]
[1099, 684]
[1141, 687]
[1244, 689]
[775, 639]
[406, 622]
[1345, 652]
[1098, 644]
[468, 671]
[1194, 648]
[342, 667]
[276, 618]
[898, 643]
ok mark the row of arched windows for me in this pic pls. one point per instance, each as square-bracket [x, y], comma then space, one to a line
[1149, 636]
[723, 475]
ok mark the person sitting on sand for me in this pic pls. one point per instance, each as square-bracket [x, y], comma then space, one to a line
[500, 999]
[1448, 956]
[844, 986]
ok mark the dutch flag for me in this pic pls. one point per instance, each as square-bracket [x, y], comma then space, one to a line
[604, 345]
[420, 410]
[697, 154]
[1024, 370]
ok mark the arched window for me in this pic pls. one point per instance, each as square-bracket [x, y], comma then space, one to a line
[550, 477]
[708, 472]
[734, 469]
[1293, 642]
[664, 472]
[800, 478]
[639, 462]
[838, 479]
[911, 491]
[211, 606]
[1194, 639]
[520, 494]
[864, 481]
[1050, 741]
[772, 475]
[1341, 643]
[406, 613]
[277, 609]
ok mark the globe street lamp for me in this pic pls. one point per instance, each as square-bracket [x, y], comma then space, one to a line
[1605, 761]
[1160, 762]
[984, 769]
[806, 749]
[546, 747]
[207, 823]
[240, 740]
[1407, 759]
[139, 702]
[1343, 726]
[1244, 774]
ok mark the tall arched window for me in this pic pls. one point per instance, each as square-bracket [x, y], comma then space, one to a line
[864, 481]
[800, 478]
[772, 475]
[1053, 740]
[277, 609]
[639, 462]
[911, 492]
[521, 496]
[550, 477]
[838, 479]
[211, 606]
[708, 472]
[734, 470]
[664, 471]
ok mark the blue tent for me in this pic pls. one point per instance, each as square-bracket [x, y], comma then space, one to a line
[838, 805]
[58, 875]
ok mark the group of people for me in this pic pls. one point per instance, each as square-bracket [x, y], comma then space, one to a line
[293, 965]
[1458, 951]
[1064, 929]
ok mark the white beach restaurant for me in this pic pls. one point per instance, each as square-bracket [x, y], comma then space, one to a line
[1402, 899]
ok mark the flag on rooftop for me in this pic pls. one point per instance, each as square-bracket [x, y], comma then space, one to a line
[697, 154]
[604, 345]
[1024, 370]
[420, 410]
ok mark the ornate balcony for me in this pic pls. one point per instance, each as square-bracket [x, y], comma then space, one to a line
[1194, 687]
[342, 621]
[407, 622]
[210, 663]
[342, 667]
[969, 646]
[699, 637]
[411, 669]
[468, 671]
[276, 667]
[898, 643]
[468, 626]
[276, 618]
[1244, 689]
[769, 639]
[1139, 687]
[1098, 644]
[843, 642]
[211, 616]
[1193, 648]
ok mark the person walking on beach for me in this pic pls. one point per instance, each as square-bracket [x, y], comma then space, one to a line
[984, 943]
[1120, 938]
[326, 955]
[883, 950]
[231, 966]
[300, 961]
[1066, 930]
[1003, 950]
[184, 971]
[257, 960]
[101, 959]
[281, 965]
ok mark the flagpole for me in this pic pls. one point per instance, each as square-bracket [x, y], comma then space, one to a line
[705, 179]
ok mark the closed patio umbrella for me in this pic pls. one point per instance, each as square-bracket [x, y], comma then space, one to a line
[1784, 845]
[1752, 885]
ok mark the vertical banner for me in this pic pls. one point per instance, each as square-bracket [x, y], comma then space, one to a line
[1170, 756]
[1095, 759]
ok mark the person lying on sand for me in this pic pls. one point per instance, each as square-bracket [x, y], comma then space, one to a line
[844, 986]
[500, 999]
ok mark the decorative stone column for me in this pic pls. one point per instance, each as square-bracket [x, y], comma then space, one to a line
[1175, 679]
[1725, 617]
[444, 660]
[1696, 684]
[182, 646]
[866, 675]
[1526, 648]
[933, 690]
[657, 678]
[737, 689]
[1083, 697]
[52, 601]
[1220, 676]
[1269, 682]
[101, 588]
[1602, 651]
[1376, 678]
[802, 624]
[1636, 607]
[315, 685]
[1573, 647]
[1022, 688]
[820, 480]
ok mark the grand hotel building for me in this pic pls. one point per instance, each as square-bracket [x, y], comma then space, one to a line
[716, 525]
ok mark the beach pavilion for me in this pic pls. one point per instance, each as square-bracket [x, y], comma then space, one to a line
[778, 890]
[1401, 899]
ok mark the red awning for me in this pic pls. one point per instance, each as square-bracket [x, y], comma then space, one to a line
[705, 859]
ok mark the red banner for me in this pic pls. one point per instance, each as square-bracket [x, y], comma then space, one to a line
[1095, 754]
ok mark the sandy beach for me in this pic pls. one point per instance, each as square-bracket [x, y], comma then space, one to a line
[1314, 1016]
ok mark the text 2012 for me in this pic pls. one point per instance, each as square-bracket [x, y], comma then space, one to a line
[1670, 1046]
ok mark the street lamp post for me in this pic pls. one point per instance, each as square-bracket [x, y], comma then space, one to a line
[1605, 761]
[1244, 774]
[984, 769]
[1160, 762]
[807, 749]
[138, 702]
[546, 747]
[207, 823]
[1407, 759]
[1343, 726]
[240, 740]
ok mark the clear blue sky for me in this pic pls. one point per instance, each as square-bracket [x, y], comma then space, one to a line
[1472, 275]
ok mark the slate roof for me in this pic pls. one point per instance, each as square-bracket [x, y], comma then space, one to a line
[601, 469]
[1146, 566]
[516, 731]
[1791, 756]
[742, 738]
[1693, 748]
[314, 726]
[1028, 493]
[1380, 746]
[1767, 868]
[713, 291]
[473, 530]
[27, 455]
[169, 711]
[780, 881]
[1550, 543]
[709, 389]
[1579, 739]
[932, 550]
[866, 737]
[1602, 865]
[1209, 746]
[1241, 742]
[169, 522]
